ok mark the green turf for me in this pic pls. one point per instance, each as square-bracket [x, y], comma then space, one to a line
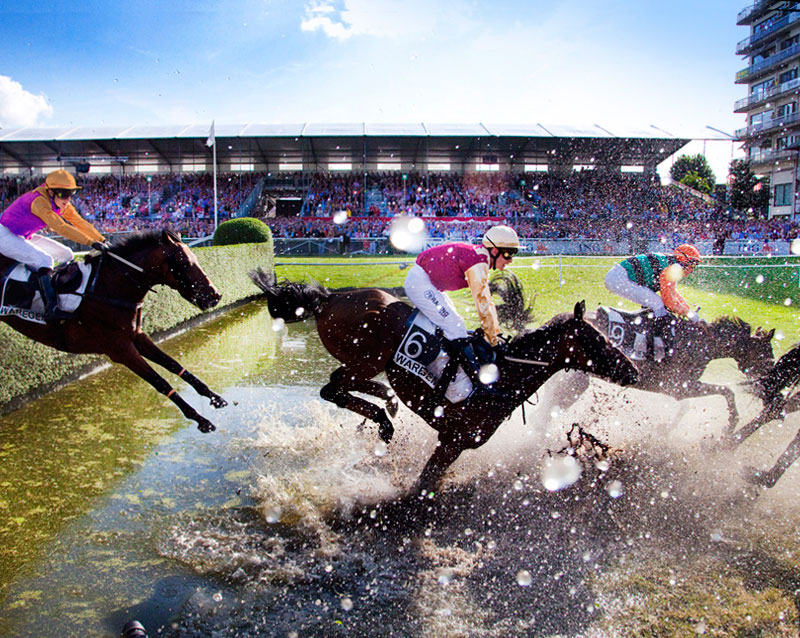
[730, 290]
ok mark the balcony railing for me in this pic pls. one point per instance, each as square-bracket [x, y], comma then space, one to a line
[760, 67]
[750, 11]
[768, 157]
[745, 45]
[752, 130]
[763, 96]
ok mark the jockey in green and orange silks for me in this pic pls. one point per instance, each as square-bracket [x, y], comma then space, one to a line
[650, 280]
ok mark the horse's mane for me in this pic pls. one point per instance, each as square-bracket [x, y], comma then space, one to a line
[127, 245]
[728, 324]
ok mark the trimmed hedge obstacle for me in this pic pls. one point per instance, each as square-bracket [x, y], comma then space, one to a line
[243, 230]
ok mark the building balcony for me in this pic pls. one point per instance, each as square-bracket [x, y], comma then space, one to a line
[750, 14]
[765, 127]
[767, 35]
[759, 69]
[756, 99]
[771, 157]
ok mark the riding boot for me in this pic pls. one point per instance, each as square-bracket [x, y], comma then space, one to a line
[468, 360]
[52, 313]
[662, 327]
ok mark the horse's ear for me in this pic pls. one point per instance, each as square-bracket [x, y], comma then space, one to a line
[580, 308]
[770, 334]
[169, 237]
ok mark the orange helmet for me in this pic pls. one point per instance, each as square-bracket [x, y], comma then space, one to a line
[61, 180]
[688, 255]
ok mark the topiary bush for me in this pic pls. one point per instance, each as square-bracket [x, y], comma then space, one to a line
[243, 230]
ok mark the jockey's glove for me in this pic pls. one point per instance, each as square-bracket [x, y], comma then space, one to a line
[102, 246]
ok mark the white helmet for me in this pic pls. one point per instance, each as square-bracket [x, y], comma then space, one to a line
[501, 237]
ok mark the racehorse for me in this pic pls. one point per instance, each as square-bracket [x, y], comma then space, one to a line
[694, 346]
[363, 329]
[109, 319]
[783, 376]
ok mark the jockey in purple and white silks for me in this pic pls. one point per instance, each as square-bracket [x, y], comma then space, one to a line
[47, 206]
[455, 266]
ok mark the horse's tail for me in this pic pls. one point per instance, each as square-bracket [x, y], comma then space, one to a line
[289, 300]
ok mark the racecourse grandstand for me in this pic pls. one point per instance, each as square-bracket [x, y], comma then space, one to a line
[337, 188]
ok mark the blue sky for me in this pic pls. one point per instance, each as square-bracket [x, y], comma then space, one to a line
[617, 63]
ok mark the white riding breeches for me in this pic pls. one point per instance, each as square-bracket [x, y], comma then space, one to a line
[618, 282]
[36, 252]
[434, 304]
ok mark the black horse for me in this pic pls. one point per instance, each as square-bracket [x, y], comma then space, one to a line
[364, 328]
[776, 389]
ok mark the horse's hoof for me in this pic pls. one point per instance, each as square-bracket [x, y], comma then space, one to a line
[385, 431]
[218, 402]
[391, 406]
[206, 426]
[760, 477]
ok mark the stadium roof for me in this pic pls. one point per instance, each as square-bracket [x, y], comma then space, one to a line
[318, 145]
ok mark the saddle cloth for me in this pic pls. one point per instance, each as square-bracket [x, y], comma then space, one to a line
[420, 353]
[21, 298]
[628, 332]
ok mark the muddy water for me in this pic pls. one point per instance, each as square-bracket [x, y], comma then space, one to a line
[292, 520]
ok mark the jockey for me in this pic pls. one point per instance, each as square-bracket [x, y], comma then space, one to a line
[640, 278]
[47, 206]
[455, 266]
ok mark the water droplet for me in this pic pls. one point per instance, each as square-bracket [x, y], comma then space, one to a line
[347, 604]
[603, 465]
[795, 246]
[489, 373]
[278, 325]
[518, 485]
[438, 411]
[340, 217]
[217, 596]
[759, 279]
[273, 514]
[444, 575]
[524, 578]
[560, 472]
[299, 311]
[380, 448]
[787, 301]
[614, 489]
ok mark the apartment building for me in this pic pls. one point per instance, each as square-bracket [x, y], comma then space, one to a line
[772, 134]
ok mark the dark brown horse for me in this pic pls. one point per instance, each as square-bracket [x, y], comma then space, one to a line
[364, 328]
[695, 345]
[777, 389]
[109, 319]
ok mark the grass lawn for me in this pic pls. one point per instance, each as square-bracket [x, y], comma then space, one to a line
[722, 287]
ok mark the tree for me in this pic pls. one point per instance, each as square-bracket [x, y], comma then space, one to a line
[694, 171]
[749, 193]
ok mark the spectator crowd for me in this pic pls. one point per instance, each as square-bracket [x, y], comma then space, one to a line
[586, 205]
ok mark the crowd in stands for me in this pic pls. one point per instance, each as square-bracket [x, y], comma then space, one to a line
[582, 205]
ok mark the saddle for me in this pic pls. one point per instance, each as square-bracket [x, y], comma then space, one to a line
[19, 291]
[422, 352]
[635, 333]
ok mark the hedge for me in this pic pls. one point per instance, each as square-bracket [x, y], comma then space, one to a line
[29, 369]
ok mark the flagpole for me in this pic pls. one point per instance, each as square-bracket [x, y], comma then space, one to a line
[215, 186]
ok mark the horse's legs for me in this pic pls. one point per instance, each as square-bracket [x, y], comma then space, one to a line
[337, 391]
[144, 344]
[789, 456]
[129, 356]
[443, 457]
[767, 415]
[380, 390]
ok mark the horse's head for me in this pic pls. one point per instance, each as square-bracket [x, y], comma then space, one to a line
[569, 342]
[182, 272]
[583, 347]
[752, 352]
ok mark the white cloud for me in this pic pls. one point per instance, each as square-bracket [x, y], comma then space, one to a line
[381, 18]
[19, 107]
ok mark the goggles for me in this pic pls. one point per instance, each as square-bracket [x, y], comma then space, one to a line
[508, 253]
[62, 193]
